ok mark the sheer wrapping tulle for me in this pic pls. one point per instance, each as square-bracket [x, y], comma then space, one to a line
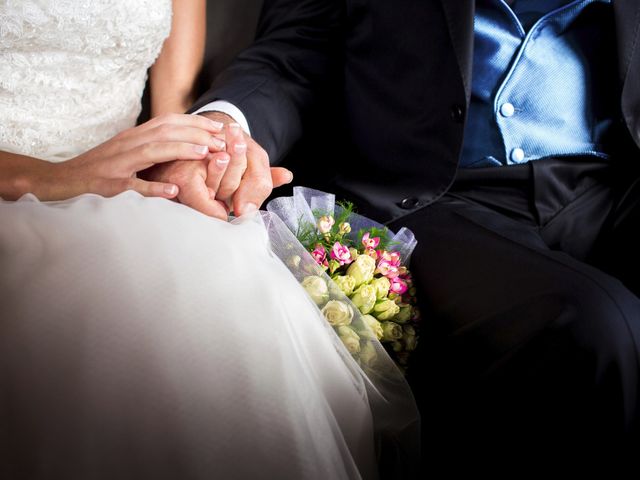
[140, 339]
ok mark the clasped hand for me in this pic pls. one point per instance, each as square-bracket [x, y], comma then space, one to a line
[235, 174]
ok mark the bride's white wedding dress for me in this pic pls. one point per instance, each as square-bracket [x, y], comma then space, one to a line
[139, 338]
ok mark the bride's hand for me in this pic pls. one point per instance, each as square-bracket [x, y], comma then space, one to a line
[111, 167]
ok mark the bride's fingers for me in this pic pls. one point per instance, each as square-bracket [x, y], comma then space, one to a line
[176, 133]
[216, 169]
[185, 120]
[149, 154]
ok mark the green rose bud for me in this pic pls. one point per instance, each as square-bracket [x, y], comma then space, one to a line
[368, 355]
[344, 228]
[374, 325]
[382, 286]
[409, 329]
[325, 223]
[391, 331]
[346, 283]
[386, 310]
[354, 253]
[350, 339]
[397, 346]
[317, 288]
[333, 266]
[364, 298]
[362, 269]
[405, 314]
[337, 313]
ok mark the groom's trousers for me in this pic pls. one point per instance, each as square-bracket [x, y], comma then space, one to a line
[529, 281]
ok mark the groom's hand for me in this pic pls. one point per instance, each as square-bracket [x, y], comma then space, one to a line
[191, 178]
[248, 179]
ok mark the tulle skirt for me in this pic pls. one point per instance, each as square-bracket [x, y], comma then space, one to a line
[141, 339]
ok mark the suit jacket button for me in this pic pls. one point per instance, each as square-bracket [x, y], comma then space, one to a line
[457, 113]
[409, 203]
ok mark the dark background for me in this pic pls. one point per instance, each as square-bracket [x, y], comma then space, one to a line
[231, 26]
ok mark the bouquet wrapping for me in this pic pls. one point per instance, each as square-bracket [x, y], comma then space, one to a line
[356, 274]
[395, 416]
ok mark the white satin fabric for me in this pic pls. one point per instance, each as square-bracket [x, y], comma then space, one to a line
[141, 339]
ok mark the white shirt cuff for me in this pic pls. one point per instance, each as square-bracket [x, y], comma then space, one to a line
[228, 108]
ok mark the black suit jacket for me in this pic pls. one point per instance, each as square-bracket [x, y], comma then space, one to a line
[400, 78]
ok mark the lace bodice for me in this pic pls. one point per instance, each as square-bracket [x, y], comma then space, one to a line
[72, 72]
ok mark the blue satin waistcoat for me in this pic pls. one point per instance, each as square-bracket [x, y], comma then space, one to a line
[544, 81]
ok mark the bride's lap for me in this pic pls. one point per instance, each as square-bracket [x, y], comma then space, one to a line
[138, 334]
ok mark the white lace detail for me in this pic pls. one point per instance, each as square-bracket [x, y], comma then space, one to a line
[72, 72]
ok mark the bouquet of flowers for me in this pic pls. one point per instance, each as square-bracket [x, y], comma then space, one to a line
[358, 277]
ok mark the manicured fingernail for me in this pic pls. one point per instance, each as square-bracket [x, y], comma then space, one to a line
[250, 208]
[217, 143]
[222, 162]
[240, 148]
[201, 149]
[235, 128]
[217, 125]
[289, 177]
[170, 189]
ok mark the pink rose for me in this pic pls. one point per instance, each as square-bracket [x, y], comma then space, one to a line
[392, 257]
[340, 253]
[387, 269]
[319, 254]
[370, 242]
[398, 286]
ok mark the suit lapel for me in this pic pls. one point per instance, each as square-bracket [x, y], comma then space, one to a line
[627, 15]
[459, 14]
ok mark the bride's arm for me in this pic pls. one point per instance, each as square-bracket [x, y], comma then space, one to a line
[174, 74]
[110, 168]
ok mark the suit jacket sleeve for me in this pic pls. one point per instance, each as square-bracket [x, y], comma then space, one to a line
[275, 81]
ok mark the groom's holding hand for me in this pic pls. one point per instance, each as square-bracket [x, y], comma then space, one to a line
[505, 134]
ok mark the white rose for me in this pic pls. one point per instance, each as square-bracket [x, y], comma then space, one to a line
[362, 269]
[368, 355]
[404, 315]
[317, 288]
[364, 298]
[386, 310]
[346, 283]
[350, 339]
[337, 313]
[391, 331]
[382, 286]
[294, 261]
[374, 325]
